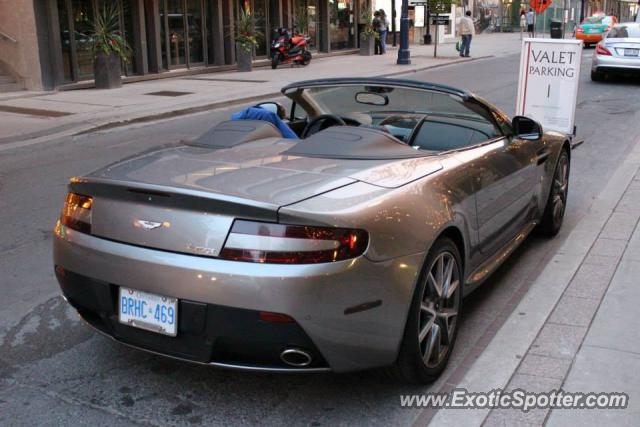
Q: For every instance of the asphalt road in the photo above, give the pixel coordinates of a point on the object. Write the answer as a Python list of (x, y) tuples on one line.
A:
[(54, 370)]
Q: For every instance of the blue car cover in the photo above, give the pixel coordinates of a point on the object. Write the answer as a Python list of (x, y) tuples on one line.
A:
[(257, 113)]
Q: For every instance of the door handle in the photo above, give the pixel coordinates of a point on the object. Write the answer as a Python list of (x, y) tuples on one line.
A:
[(543, 155)]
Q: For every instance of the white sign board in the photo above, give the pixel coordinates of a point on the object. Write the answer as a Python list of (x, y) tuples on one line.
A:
[(418, 21), (548, 83)]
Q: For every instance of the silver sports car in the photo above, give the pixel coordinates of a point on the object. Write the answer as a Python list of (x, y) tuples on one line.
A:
[(340, 235), (618, 52)]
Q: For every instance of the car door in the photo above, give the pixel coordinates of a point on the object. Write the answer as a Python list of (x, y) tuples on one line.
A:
[(505, 179)]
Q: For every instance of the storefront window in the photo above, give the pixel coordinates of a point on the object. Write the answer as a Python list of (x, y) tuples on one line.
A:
[(76, 19), (306, 20), (261, 11), (341, 25)]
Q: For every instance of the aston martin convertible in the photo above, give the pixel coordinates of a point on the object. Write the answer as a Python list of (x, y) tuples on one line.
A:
[(339, 234)]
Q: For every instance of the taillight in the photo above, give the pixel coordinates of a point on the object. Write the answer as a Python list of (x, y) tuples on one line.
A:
[(271, 243), (579, 30), (76, 213), (601, 50)]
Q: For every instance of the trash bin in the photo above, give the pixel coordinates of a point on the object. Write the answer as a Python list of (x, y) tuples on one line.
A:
[(556, 29), (427, 38)]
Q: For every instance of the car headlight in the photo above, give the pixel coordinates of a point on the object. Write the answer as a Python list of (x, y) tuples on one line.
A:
[(277, 45), (76, 213), (270, 243)]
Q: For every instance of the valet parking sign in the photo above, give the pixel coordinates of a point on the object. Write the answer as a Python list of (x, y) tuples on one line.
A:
[(548, 83)]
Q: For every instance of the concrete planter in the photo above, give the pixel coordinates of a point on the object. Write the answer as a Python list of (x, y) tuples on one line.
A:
[(367, 45), (107, 71), (244, 58)]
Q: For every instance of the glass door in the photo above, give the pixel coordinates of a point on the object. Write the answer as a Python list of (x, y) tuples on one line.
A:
[(183, 32), (195, 42), (174, 21), (83, 16)]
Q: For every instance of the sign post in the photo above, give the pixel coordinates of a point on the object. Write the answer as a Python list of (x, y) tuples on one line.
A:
[(437, 21), (548, 82)]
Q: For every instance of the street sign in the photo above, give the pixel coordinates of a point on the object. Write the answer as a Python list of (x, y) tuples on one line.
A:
[(439, 20), (548, 82), (540, 5)]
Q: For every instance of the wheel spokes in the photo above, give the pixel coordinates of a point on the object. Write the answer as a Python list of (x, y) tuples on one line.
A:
[(437, 286), (447, 316), (433, 345)]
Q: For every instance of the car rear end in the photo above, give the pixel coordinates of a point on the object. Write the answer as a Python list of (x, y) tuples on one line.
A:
[(215, 279), (619, 52), (594, 29)]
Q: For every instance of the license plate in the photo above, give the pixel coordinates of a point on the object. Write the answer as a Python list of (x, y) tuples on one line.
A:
[(631, 52), (148, 311)]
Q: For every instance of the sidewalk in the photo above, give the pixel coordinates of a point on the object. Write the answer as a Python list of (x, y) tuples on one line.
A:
[(577, 328), (36, 116)]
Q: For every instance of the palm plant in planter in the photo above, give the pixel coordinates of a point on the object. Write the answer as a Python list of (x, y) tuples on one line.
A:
[(368, 35), (110, 48), (246, 39)]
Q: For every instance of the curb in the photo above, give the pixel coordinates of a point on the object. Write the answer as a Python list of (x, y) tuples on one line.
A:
[(221, 104), (79, 130), (501, 358)]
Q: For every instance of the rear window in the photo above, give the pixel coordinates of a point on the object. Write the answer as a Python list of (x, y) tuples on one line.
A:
[(624, 31), (594, 20)]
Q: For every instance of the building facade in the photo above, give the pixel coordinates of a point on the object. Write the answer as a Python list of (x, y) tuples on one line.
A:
[(164, 35)]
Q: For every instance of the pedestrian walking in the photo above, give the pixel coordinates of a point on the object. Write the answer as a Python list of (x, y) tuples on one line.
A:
[(467, 30), (384, 29), (523, 22), (376, 23), (531, 21)]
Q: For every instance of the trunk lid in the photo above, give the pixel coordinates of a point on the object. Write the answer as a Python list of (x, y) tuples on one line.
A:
[(184, 199)]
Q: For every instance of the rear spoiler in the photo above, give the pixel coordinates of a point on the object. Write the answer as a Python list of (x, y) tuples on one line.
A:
[(174, 197)]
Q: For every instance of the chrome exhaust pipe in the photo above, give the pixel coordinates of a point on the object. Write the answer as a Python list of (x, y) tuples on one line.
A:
[(296, 357)]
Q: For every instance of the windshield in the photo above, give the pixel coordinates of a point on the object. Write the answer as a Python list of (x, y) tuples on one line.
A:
[(384, 99), (624, 31)]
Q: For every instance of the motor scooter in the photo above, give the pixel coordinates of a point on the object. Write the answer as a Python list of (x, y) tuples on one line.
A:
[(286, 48)]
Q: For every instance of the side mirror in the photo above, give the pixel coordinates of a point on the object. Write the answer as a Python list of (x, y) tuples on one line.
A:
[(274, 107), (526, 128)]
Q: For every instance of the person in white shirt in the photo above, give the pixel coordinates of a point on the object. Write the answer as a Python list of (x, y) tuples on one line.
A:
[(531, 20), (466, 30)]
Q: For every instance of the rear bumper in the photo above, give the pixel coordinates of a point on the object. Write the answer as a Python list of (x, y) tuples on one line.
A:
[(589, 38), (220, 301), (615, 63)]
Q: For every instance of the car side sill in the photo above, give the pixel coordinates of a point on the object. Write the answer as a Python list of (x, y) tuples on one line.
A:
[(489, 266)]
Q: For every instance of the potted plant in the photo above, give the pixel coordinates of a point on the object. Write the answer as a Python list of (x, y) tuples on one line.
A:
[(109, 47), (368, 36), (246, 40)]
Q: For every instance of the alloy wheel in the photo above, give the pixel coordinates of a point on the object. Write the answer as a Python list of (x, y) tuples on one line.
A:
[(560, 188), (439, 307)]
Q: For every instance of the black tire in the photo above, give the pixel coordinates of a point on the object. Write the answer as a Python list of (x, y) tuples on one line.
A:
[(410, 366), (306, 58), (275, 60), (557, 201), (597, 76)]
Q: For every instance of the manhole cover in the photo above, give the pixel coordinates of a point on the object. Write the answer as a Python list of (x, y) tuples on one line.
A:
[(33, 111), (168, 93)]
